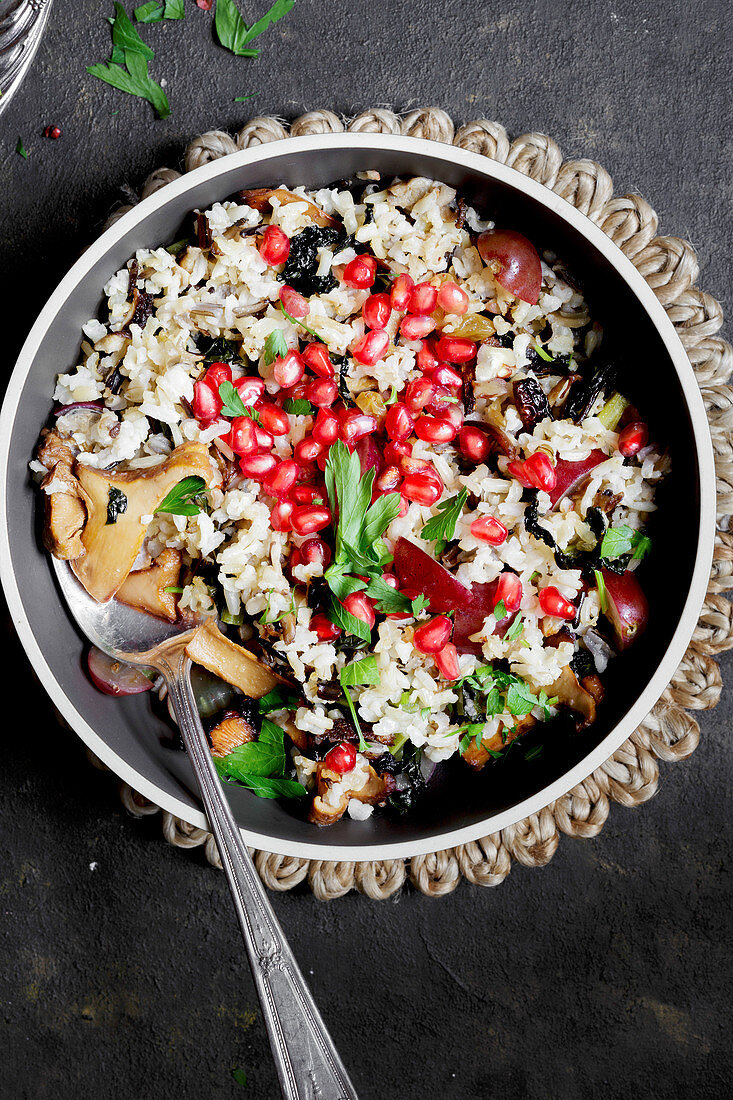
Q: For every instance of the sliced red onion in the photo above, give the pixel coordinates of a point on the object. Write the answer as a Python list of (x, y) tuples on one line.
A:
[(599, 649), (64, 409)]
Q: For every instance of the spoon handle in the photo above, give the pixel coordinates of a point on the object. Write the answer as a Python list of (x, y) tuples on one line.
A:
[(307, 1062)]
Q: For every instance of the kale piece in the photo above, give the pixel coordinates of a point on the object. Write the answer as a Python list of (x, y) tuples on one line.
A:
[(300, 271)]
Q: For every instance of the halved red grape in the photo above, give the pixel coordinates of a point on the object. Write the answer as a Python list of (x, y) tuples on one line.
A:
[(514, 261), (419, 573), (114, 677)]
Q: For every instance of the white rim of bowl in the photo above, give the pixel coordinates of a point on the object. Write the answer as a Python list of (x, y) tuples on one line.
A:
[(481, 165)]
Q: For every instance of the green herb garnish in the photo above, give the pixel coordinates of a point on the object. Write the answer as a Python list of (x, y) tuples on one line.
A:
[(298, 406), (260, 765), (280, 698), (602, 593), (178, 246), (544, 354), (301, 324), (233, 32), (21, 149), (239, 1076), (514, 630), (129, 50), (364, 671), (276, 347), (621, 540), (244, 98), (185, 498), (500, 611), (443, 526), (233, 405), (173, 588)]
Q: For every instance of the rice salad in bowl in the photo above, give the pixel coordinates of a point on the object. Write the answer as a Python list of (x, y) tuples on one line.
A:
[(368, 448)]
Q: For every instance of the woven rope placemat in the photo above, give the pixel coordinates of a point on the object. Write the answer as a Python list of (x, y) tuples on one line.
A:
[(670, 732)]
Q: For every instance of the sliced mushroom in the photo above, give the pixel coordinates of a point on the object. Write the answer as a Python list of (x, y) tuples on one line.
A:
[(53, 449), (300, 738), (571, 694), (146, 589), (65, 514), (231, 662), (111, 547), (323, 813), (477, 758), (231, 732), (259, 199)]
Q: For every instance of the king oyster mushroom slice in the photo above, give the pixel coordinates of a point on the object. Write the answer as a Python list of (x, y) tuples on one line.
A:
[(231, 662), (111, 545), (149, 589)]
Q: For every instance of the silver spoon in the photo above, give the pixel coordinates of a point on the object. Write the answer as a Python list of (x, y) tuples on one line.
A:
[(307, 1062)]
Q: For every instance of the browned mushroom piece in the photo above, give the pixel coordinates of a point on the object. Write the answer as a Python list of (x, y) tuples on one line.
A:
[(570, 693), (116, 503), (477, 758), (259, 199), (232, 731), (374, 791), (149, 590), (300, 738), (65, 514), (231, 662)]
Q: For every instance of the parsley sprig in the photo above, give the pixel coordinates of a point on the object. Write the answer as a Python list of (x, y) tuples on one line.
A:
[(185, 499), (621, 540), (233, 405), (260, 765), (363, 671), (441, 528), (495, 692), (233, 32), (127, 68)]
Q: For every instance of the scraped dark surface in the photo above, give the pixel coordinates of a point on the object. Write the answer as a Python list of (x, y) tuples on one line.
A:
[(602, 974)]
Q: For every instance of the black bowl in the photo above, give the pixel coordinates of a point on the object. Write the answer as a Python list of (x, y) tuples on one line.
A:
[(656, 374)]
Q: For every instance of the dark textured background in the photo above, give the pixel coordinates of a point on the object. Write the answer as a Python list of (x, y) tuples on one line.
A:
[(121, 971)]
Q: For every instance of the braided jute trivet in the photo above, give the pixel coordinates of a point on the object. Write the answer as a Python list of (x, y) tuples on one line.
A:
[(670, 732)]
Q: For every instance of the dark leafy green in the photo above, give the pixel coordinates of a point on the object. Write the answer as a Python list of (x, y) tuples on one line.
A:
[(116, 504)]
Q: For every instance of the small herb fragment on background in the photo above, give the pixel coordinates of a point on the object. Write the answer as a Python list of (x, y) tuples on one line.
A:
[(500, 611), (544, 354), (244, 98), (621, 540), (514, 630), (443, 526), (233, 32), (173, 588), (183, 499), (116, 504), (280, 698), (364, 671), (301, 324), (298, 406), (177, 246), (233, 405), (20, 148), (601, 585), (239, 1076)]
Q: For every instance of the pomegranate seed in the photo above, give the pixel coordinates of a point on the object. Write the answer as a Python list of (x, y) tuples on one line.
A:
[(257, 466), (516, 469), (454, 415), (452, 299), (400, 292), (433, 635), (540, 472), (294, 559), (306, 494), (322, 459), (426, 359), (326, 428), (415, 328), (307, 450), (308, 518), (326, 631), (295, 304), (443, 375), (280, 479), (341, 758), (322, 392), (633, 438), (250, 389), (410, 465), (206, 401), (490, 530), (554, 603), (265, 440), (422, 489), (474, 443), (316, 357), (391, 580), (243, 436), (275, 247), (371, 347), (289, 370), (299, 390), (455, 349), (447, 662), (358, 605), (356, 425), (52, 132), (376, 311), (218, 373), (431, 429), (395, 451), (423, 298), (274, 419), (419, 393), (404, 505), (315, 550), (360, 272), (281, 514), (509, 591), (398, 423), (388, 480), (441, 400)]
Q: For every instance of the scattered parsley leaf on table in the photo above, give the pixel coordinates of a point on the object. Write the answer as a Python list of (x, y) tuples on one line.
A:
[(174, 9), (125, 38), (233, 32), (128, 49), (21, 149), (182, 499), (239, 1076), (152, 12), (244, 98)]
